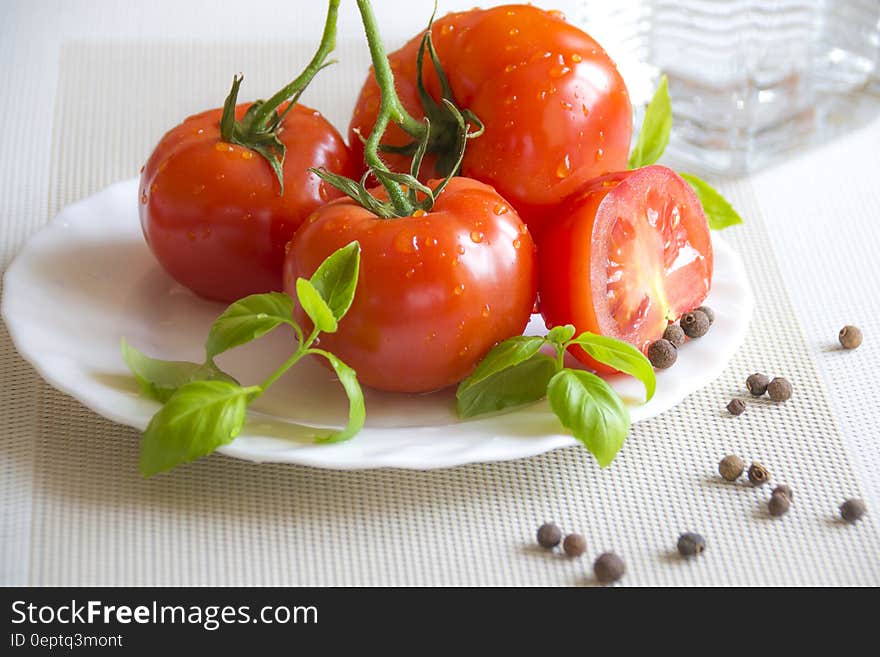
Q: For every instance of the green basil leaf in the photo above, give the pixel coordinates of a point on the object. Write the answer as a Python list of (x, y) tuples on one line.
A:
[(503, 355), (248, 319), (560, 334), (357, 412), (197, 419), (315, 306), (590, 408), (719, 212), (512, 386), (621, 356), (656, 126), (337, 277), (159, 379)]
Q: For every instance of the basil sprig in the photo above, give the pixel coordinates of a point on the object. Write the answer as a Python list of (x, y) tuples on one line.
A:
[(517, 372), (205, 408), (650, 145)]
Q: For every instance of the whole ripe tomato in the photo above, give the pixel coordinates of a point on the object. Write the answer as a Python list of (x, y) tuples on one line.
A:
[(630, 253), (211, 210), (436, 291), (555, 109)]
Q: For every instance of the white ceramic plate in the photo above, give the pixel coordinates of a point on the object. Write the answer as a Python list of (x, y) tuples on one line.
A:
[(88, 279)]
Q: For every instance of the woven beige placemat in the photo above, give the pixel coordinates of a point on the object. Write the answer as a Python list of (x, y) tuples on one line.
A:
[(71, 477)]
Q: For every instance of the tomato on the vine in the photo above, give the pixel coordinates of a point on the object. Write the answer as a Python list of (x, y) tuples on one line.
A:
[(211, 211), (555, 110), (627, 255), (437, 290)]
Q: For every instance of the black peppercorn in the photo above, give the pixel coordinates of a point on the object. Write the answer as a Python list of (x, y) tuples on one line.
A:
[(779, 389), (757, 384), (758, 474), (574, 545), (850, 337), (695, 324), (549, 535), (778, 504), (709, 313), (674, 334), (731, 467), (736, 407), (662, 354), (853, 509), (690, 544), (784, 489), (608, 568)]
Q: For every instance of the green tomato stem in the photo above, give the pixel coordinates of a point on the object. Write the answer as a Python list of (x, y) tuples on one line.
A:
[(390, 108), (296, 87)]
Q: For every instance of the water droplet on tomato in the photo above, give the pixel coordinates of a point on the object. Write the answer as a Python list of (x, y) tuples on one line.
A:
[(247, 154), (222, 146), (517, 243), (153, 188), (198, 189), (564, 167), (513, 31), (600, 153), (464, 351), (419, 213), (410, 273), (566, 105), (486, 310), (447, 29), (576, 58), (405, 242), (557, 14), (510, 68), (460, 249), (323, 191), (558, 71), (510, 100), (476, 236), (501, 208), (144, 197), (458, 290)]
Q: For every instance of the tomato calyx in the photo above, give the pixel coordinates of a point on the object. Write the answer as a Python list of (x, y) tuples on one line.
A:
[(259, 127), (406, 195), (443, 116)]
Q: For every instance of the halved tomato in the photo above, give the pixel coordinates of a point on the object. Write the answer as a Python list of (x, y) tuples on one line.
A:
[(627, 255)]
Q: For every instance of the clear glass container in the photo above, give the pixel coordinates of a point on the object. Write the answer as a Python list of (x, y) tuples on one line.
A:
[(750, 80)]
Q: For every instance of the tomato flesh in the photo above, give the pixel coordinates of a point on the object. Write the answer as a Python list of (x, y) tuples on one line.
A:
[(627, 255)]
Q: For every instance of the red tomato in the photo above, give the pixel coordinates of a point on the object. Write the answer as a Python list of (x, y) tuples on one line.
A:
[(436, 292), (626, 256), (211, 211), (555, 109)]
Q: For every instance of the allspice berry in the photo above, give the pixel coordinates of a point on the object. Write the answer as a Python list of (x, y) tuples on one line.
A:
[(608, 568), (779, 389), (731, 467), (709, 313), (853, 509), (549, 535), (695, 324), (662, 354), (758, 474), (850, 337), (674, 334), (690, 544), (779, 504), (736, 407), (574, 545), (784, 489), (757, 384)]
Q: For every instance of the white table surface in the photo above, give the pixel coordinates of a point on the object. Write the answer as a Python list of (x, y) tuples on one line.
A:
[(822, 207)]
